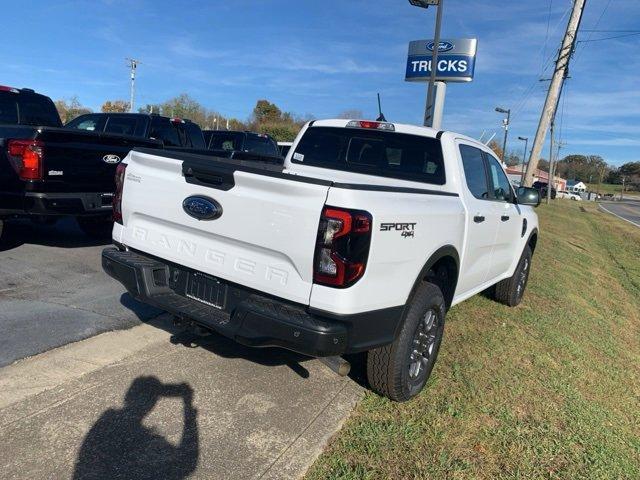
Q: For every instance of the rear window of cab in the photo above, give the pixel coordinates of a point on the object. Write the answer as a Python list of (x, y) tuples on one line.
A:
[(372, 152)]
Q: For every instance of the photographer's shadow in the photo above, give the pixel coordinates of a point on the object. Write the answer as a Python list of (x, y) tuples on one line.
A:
[(119, 446)]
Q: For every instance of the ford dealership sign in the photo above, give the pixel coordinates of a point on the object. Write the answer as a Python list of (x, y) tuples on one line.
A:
[(456, 60)]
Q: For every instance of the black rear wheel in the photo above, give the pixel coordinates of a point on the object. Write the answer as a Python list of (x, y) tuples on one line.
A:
[(400, 370), (511, 290)]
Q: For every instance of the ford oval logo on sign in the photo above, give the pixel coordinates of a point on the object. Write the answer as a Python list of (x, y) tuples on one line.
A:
[(111, 159), (202, 208), (443, 47)]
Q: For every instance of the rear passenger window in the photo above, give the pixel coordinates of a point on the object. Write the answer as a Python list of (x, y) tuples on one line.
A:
[(260, 145), (194, 138), (474, 171), (121, 125), (165, 131)]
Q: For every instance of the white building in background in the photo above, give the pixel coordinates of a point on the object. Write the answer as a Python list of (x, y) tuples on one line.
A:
[(576, 186)]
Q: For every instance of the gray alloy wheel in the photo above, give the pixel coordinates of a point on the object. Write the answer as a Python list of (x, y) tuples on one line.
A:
[(401, 369)]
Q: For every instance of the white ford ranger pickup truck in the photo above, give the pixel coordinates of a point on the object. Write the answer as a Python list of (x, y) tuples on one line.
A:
[(360, 242)]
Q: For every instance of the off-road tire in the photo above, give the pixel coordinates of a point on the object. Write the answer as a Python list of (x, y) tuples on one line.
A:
[(511, 290), (96, 227), (388, 367)]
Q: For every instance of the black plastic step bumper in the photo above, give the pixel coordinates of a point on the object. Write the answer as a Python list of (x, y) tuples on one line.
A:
[(55, 203), (247, 317)]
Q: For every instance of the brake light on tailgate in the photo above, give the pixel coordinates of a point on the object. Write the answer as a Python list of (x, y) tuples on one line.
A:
[(26, 158), (342, 247), (117, 196)]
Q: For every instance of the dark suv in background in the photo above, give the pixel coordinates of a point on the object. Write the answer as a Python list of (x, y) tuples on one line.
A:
[(542, 188)]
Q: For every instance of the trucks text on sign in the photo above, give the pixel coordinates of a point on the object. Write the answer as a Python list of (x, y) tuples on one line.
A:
[(456, 60)]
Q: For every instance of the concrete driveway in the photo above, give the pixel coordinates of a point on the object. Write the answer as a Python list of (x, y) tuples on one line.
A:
[(142, 400)]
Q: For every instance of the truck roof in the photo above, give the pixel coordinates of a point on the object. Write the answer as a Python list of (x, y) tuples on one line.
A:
[(142, 114)]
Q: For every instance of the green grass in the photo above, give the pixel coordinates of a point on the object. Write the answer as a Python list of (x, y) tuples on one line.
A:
[(608, 188), (550, 389)]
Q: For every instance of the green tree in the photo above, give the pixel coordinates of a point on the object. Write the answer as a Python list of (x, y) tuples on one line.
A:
[(115, 106), (265, 111), (70, 109), (497, 149), (183, 106), (281, 132), (151, 108)]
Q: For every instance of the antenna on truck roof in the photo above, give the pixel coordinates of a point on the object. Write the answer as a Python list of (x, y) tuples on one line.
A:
[(381, 115)]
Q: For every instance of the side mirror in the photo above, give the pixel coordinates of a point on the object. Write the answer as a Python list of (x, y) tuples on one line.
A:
[(528, 196)]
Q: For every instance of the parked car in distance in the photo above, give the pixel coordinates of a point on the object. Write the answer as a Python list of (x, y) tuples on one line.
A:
[(47, 171), (360, 242), (249, 142), (172, 132), (568, 195), (284, 148), (542, 188)]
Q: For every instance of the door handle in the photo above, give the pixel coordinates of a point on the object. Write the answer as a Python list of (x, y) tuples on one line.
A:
[(478, 218), (504, 218)]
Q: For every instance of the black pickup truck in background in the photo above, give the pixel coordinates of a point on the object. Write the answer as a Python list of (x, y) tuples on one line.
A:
[(48, 171), (183, 135), (172, 132), (258, 144)]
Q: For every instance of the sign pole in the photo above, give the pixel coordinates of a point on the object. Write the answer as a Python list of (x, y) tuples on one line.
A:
[(429, 108), (438, 105)]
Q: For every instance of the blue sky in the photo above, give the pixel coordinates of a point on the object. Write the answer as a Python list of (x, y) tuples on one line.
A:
[(324, 57)]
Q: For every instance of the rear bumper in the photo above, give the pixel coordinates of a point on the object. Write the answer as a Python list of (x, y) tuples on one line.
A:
[(76, 203), (249, 317)]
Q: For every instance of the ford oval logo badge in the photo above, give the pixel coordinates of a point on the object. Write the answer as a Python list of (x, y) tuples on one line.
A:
[(442, 47), (111, 159), (202, 208)]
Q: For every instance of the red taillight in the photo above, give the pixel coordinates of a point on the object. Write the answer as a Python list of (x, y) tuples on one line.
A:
[(26, 157), (117, 196), (370, 124), (342, 247)]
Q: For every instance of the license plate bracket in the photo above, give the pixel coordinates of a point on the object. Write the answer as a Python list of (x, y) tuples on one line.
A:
[(207, 290)]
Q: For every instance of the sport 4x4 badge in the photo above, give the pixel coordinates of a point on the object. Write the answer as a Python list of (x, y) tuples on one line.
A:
[(407, 229)]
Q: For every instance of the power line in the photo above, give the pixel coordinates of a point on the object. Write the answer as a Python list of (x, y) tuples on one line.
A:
[(595, 27), (609, 38), (546, 37), (612, 31)]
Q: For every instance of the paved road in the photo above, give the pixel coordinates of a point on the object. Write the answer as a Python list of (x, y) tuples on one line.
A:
[(629, 210), (53, 290)]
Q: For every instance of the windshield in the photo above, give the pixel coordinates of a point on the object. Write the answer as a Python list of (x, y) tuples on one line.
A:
[(224, 140), (372, 152), (28, 109)]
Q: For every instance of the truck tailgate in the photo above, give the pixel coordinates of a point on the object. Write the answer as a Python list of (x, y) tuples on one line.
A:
[(264, 239), (74, 160)]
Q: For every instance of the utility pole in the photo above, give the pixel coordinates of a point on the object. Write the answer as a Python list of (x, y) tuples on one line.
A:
[(431, 94), (524, 157), (622, 192), (559, 75), (550, 181), (132, 64)]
